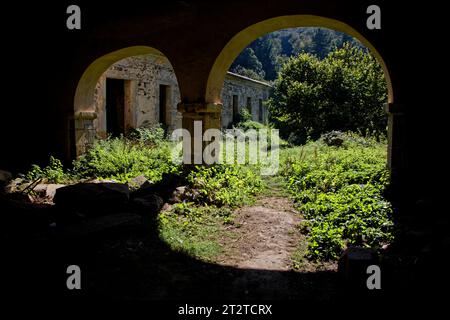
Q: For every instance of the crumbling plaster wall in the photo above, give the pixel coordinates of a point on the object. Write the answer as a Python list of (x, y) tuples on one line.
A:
[(144, 75), (243, 88)]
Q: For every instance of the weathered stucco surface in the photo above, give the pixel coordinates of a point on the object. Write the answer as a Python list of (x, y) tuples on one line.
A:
[(248, 93), (143, 77)]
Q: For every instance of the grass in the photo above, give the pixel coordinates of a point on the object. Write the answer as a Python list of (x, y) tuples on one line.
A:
[(195, 230), (275, 186), (337, 189)]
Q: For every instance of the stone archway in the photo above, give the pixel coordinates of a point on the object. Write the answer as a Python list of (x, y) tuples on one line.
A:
[(85, 112), (245, 37), (241, 40)]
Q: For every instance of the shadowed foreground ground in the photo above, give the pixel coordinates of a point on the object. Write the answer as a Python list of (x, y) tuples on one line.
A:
[(132, 263)]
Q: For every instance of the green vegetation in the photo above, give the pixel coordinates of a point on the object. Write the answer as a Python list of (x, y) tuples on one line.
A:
[(195, 230), (339, 191), (144, 152), (345, 91), (337, 183), (53, 172), (264, 57), (337, 180), (224, 185), (244, 115), (122, 159), (194, 226), (149, 135)]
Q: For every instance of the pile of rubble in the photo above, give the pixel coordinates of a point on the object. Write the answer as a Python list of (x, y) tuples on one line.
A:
[(86, 207)]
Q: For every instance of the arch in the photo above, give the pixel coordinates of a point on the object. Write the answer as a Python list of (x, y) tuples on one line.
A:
[(85, 111), (241, 40), (84, 94)]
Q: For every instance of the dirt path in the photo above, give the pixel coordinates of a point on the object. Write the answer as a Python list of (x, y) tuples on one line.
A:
[(264, 236), (261, 244)]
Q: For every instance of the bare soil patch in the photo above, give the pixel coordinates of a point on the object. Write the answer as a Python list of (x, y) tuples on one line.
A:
[(265, 236)]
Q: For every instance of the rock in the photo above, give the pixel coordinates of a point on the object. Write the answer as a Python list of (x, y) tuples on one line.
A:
[(93, 199), (47, 190), (147, 205), (353, 265), (166, 207), (102, 181), (99, 224), (139, 182), (163, 188), (15, 185), (20, 198), (333, 138), (192, 194), (5, 176), (178, 195)]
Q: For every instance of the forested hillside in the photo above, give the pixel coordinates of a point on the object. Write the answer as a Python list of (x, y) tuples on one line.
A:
[(264, 57)]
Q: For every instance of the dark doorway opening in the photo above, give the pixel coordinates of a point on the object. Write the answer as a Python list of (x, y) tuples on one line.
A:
[(115, 106), (164, 96), (261, 111), (235, 108), (249, 104)]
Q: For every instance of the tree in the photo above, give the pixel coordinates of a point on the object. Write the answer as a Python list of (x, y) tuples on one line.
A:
[(249, 73), (345, 91), (247, 60), (267, 54)]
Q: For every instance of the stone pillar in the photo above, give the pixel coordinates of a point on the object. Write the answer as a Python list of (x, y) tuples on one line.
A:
[(85, 132), (209, 116), (397, 133)]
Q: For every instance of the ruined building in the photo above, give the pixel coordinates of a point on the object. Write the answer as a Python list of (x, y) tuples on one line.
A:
[(143, 91)]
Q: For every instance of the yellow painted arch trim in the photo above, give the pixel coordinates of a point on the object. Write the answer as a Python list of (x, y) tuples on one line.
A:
[(241, 40)]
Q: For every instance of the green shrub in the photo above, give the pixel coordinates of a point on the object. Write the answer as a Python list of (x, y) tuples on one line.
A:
[(339, 190), (325, 242), (359, 212), (222, 184), (150, 135), (250, 124), (53, 173), (331, 168), (344, 91), (244, 115), (120, 159)]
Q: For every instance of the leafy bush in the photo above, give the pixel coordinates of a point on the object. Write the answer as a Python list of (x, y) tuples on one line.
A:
[(150, 135), (345, 91), (220, 185), (325, 242), (250, 124), (120, 159), (356, 213), (53, 173), (244, 115), (340, 192)]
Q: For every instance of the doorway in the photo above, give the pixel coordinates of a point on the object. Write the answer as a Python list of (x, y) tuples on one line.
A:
[(164, 104), (115, 106)]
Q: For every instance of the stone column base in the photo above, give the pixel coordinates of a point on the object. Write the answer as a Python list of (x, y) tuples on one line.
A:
[(208, 114)]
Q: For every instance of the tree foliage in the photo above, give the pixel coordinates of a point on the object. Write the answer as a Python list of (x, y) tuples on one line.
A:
[(345, 91), (264, 57)]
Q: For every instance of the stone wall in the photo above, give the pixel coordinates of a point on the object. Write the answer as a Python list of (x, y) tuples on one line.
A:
[(248, 93), (143, 76)]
